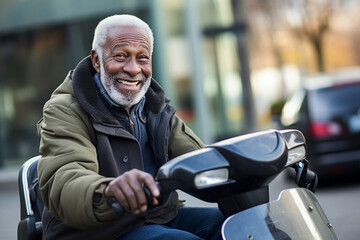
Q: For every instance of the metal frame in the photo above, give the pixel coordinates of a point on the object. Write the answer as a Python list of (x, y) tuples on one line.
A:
[(25, 184)]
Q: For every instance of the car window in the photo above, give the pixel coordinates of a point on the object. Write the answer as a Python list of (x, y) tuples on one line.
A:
[(334, 102)]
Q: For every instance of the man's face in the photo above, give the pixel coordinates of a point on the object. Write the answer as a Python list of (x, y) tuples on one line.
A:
[(125, 65)]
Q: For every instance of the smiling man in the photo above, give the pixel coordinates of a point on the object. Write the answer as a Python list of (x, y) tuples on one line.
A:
[(104, 133), (125, 65)]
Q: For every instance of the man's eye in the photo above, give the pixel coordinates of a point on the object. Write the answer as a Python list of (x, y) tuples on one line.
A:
[(143, 57), (120, 55)]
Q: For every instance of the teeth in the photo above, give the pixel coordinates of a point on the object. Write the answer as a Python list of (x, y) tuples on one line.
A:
[(128, 83)]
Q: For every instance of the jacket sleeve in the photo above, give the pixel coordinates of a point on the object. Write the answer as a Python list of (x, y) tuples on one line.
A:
[(182, 139), (68, 169)]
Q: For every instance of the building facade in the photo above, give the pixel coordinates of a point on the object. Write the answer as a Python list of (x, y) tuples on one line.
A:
[(197, 59)]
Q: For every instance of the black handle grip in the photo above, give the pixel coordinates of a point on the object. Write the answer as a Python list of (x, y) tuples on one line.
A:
[(305, 177), (149, 198), (118, 209)]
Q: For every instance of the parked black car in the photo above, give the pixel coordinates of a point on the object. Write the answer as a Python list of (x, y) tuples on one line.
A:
[(327, 111)]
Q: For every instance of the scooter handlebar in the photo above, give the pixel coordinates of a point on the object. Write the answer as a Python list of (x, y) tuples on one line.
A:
[(118, 209), (305, 177)]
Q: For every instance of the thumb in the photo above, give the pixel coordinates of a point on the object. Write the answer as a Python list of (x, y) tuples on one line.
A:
[(155, 202)]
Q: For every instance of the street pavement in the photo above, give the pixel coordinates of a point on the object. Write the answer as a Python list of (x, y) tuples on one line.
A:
[(9, 203), (340, 204)]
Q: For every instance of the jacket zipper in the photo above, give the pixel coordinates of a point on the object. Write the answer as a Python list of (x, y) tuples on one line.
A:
[(131, 124)]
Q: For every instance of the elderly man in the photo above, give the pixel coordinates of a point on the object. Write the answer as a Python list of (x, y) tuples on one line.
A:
[(104, 133)]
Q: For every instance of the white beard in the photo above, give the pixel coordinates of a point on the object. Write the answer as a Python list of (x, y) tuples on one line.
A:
[(124, 100)]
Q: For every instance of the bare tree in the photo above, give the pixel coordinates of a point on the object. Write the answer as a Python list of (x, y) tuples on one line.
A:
[(311, 20), (307, 19)]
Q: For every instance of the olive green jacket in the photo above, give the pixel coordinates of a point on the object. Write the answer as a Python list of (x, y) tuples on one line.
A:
[(83, 147)]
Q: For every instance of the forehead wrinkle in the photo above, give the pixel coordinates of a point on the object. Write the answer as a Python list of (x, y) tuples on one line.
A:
[(121, 45), (128, 38), (129, 35)]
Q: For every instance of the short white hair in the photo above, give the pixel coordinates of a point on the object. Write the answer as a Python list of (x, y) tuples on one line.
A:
[(101, 30)]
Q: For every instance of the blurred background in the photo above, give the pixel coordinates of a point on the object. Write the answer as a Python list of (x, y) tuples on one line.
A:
[(227, 65)]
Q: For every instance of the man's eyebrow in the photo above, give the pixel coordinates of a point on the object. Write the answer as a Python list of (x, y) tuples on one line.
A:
[(120, 45), (145, 46)]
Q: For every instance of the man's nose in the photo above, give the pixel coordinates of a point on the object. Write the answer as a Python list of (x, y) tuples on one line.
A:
[(132, 67)]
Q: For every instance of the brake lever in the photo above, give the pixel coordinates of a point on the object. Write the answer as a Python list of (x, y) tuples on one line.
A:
[(305, 177)]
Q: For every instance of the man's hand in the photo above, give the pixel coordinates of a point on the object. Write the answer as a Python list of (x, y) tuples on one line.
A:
[(128, 190)]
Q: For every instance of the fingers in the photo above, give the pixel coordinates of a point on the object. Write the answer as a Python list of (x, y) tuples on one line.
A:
[(155, 202), (128, 190), (151, 185)]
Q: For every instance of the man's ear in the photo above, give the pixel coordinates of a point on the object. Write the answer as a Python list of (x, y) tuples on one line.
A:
[(95, 60)]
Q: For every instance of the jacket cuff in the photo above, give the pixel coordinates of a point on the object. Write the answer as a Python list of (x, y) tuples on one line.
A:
[(102, 208)]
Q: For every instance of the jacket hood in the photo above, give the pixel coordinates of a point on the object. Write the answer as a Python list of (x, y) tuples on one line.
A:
[(90, 99)]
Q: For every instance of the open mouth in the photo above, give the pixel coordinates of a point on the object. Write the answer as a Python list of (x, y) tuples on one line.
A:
[(131, 83)]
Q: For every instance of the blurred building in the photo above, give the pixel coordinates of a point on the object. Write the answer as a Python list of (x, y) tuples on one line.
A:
[(200, 47)]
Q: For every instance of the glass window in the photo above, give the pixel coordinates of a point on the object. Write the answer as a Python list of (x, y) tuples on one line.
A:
[(220, 66), (31, 65), (215, 13), (222, 84)]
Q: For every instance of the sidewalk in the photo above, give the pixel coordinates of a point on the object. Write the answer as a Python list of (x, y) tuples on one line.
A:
[(10, 202)]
